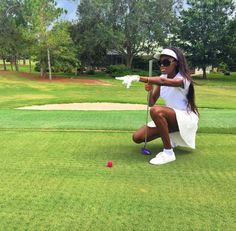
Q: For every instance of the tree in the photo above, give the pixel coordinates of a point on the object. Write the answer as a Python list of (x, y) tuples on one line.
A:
[(11, 36), (229, 41), (63, 50), (202, 28), (142, 26), (42, 15), (92, 35), (127, 26), (29, 27)]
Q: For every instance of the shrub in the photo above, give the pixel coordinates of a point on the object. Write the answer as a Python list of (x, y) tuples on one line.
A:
[(90, 72), (140, 63), (37, 67), (223, 67), (121, 70), (145, 72), (118, 70)]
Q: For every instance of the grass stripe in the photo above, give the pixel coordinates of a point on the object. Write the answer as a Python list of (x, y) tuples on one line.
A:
[(205, 130), (62, 130), (211, 120)]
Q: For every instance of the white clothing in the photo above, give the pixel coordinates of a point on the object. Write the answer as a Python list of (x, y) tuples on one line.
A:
[(168, 52), (176, 98)]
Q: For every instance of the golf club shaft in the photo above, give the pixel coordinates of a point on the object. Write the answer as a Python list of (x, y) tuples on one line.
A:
[(147, 113), (148, 98)]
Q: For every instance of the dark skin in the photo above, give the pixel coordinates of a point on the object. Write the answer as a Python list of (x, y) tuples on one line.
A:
[(164, 117)]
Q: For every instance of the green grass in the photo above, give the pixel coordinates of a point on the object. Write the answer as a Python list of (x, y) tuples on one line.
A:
[(211, 120), (19, 91), (58, 181), (53, 173)]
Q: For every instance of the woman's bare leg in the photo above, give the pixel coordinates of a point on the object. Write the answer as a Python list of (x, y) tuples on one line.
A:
[(139, 135), (165, 120)]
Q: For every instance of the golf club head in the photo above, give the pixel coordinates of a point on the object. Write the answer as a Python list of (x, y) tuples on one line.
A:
[(145, 151)]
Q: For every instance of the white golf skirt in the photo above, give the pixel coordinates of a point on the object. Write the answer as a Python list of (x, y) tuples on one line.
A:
[(188, 125)]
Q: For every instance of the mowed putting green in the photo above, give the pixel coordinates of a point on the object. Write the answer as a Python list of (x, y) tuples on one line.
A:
[(53, 163)]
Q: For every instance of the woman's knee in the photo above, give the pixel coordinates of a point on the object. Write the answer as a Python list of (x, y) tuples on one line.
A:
[(157, 112), (137, 138)]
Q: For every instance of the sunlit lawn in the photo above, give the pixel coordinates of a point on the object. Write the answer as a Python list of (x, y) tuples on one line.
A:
[(53, 173)]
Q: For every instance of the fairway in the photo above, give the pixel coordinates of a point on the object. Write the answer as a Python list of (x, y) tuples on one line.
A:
[(53, 163), (58, 181)]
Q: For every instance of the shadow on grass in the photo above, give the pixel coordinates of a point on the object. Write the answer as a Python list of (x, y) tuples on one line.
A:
[(183, 151), (134, 152)]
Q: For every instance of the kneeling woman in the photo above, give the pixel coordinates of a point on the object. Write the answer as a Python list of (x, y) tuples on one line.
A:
[(175, 123)]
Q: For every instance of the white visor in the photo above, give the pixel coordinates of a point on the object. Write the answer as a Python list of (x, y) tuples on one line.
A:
[(166, 52)]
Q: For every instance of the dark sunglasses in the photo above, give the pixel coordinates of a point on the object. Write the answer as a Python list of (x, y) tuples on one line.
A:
[(165, 62)]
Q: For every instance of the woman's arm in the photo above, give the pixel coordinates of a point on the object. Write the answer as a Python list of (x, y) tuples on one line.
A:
[(154, 92), (162, 81)]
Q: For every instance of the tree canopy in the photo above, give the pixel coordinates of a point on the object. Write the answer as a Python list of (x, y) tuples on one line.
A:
[(202, 28), (128, 27), (32, 28)]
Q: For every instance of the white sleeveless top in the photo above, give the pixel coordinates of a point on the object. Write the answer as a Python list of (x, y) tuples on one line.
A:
[(176, 97)]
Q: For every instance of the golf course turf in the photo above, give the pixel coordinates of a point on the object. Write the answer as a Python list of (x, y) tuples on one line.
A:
[(53, 163)]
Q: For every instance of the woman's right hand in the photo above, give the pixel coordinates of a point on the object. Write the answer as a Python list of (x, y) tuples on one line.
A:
[(148, 87)]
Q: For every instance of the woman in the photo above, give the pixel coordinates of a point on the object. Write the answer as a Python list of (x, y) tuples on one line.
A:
[(175, 123)]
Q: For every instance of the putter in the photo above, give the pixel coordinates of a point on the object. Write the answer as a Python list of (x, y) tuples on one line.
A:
[(144, 149)]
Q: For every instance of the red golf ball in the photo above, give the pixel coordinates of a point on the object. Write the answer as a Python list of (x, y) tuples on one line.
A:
[(109, 164)]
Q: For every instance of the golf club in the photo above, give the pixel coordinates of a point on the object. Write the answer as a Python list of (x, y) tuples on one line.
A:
[(144, 149)]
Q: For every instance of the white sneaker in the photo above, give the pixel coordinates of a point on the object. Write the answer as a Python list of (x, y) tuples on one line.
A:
[(163, 158)]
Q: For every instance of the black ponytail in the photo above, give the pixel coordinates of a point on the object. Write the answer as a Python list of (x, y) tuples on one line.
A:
[(183, 69), (191, 99)]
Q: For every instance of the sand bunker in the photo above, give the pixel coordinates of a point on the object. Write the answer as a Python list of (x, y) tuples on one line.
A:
[(87, 107)]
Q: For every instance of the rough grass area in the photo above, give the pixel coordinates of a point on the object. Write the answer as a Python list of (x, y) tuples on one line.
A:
[(58, 181), (16, 90)]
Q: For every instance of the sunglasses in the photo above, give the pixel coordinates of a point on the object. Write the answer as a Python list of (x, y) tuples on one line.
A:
[(165, 62)]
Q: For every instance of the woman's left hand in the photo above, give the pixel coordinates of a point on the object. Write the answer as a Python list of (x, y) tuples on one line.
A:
[(148, 87)]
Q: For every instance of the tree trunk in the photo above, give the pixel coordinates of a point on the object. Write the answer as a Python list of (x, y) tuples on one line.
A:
[(49, 65), (41, 71), (129, 60), (204, 76), (16, 63), (4, 65), (30, 66), (12, 63)]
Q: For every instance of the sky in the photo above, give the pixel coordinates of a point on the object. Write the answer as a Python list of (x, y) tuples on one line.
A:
[(70, 6)]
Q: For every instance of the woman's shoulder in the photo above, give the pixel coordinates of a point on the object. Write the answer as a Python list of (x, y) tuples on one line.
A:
[(179, 76), (186, 82)]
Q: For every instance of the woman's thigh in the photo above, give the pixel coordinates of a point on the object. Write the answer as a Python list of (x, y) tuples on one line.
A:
[(153, 132), (141, 133), (168, 113)]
